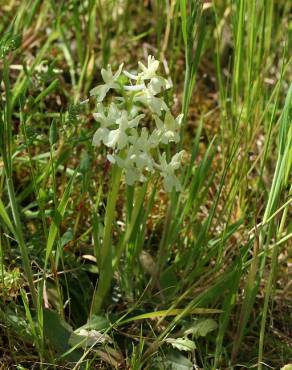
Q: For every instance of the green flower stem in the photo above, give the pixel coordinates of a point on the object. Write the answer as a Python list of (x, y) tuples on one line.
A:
[(105, 256), (138, 203), (162, 250)]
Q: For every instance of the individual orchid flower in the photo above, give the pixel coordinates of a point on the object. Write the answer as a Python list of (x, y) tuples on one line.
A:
[(141, 141), (119, 138), (143, 161), (137, 159), (170, 180), (148, 99), (110, 80), (132, 173), (149, 71), (158, 84), (101, 135), (154, 139), (169, 129), (106, 120), (140, 149)]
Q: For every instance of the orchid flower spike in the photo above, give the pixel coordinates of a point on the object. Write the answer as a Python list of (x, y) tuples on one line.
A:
[(136, 145)]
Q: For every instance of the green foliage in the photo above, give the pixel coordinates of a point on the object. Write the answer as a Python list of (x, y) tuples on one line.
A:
[(9, 42)]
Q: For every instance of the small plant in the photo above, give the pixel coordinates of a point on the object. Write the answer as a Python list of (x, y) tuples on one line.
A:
[(127, 106)]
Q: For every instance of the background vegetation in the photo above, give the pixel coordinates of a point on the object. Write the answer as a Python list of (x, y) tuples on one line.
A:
[(200, 278)]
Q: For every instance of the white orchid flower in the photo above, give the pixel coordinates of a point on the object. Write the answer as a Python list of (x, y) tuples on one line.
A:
[(169, 129), (154, 139), (132, 173), (117, 138), (110, 80), (105, 120), (148, 99), (138, 158), (140, 150), (113, 114), (149, 71), (134, 122), (144, 161), (142, 141), (101, 135), (158, 84), (170, 180)]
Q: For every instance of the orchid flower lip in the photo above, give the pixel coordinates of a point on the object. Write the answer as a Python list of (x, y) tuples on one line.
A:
[(134, 87), (130, 75)]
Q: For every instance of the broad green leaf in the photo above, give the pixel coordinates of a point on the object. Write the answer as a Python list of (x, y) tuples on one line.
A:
[(67, 237), (82, 338), (58, 332), (168, 281), (202, 327), (96, 322), (182, 344), (173, 360)]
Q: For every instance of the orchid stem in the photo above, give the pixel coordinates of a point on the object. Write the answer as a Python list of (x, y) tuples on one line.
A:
[(105, 262)]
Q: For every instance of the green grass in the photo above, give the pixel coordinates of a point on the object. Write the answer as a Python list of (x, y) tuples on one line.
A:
[(99, 274)]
